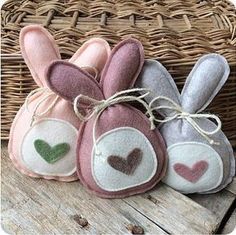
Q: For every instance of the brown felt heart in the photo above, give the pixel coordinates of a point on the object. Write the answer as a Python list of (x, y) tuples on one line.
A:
[(191, 174), (128, 165)]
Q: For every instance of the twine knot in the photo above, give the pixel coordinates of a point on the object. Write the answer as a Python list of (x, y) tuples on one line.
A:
[(48, 93), (97, 107), (183, 114), (189, 117)]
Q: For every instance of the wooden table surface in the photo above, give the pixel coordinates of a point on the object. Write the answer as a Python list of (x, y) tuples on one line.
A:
[(36, 206)]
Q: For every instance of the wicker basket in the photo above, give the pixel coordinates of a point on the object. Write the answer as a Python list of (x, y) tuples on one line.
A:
[(176, 32)]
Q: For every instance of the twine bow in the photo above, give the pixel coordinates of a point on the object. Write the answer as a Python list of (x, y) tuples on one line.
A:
[(189, 117), (98, 106), (48, 93)]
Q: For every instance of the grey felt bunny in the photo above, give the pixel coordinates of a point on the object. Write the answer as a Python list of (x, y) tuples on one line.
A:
[(200, 156)]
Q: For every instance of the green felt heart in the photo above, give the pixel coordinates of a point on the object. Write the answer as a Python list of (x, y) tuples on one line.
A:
[(51, 154)]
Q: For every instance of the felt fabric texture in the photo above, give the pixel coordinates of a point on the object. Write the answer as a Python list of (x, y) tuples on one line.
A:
[(63, 110), (94, 53), (51, 154), (109, 120), (52, 132), (77, 81), (199, 93), (39, 50), (120, 72), (126, 165), (187, 133), (192, 174), (155, 77), (121, 144), (207, 76), (193, 167), (122, 68)]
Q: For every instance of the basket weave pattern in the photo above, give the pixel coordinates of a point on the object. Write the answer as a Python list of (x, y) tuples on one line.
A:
[(176, 32)]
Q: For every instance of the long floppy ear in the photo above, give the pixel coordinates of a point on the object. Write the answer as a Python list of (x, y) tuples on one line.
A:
[(156, 78), (204, 82), (92, 55), (68, 81), (38, 49), (123, 67)]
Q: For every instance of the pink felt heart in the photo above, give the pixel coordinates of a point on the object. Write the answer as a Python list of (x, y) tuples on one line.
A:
[(191, 174)]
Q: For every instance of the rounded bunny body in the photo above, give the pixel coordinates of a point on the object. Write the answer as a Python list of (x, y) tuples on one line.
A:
[(110, 174), (201, 158), (194, 164), (44, 132), (118, 154), (23, 137)]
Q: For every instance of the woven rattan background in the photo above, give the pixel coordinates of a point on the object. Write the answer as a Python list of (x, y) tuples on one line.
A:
[(176, 32)]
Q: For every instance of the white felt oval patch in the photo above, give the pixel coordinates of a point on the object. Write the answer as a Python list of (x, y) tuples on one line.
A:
[(126, 159), (193, 167), (49, 148)]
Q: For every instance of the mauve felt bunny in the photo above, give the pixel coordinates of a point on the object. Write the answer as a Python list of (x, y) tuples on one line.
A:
[(117, 153), (200, 156), (46, 146)]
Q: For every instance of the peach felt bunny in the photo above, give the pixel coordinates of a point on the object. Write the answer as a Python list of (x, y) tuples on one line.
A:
[(44, 132), (119, 151)]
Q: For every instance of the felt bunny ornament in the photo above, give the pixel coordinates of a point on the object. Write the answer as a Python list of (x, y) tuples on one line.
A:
[(44, 132), (117, 152), (201, 158)]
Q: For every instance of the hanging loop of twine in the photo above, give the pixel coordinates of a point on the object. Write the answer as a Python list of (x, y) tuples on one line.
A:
[(98, 106), (48, 93), (189, 117)]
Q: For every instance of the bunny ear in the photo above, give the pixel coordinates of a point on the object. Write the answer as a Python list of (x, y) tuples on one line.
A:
[(123, 67), (38, 49), (155, 77), (204, 82), (92, 55), (68, 81)]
